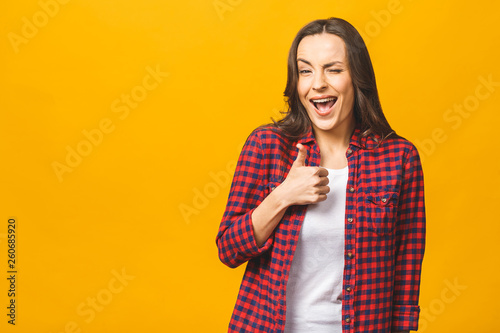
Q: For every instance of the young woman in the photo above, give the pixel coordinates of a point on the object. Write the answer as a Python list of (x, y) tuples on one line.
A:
[(327, 204)]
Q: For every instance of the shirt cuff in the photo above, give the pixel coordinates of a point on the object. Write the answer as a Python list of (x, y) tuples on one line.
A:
[(253, 247), (405, 317)]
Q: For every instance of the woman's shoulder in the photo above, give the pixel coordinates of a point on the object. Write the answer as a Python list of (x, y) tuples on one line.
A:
[(398, 143), (269, 135)]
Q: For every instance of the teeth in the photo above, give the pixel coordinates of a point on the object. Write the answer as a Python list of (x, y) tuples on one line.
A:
[(324, 100)]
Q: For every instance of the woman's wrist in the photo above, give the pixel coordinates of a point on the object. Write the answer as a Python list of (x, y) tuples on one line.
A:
[(281, 196)]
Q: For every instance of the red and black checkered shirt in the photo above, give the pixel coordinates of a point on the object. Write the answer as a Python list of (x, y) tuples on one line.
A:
[(384, 233)]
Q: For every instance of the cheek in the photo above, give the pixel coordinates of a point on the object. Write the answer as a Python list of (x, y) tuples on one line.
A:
[(347, 91), (344, 86), (302, 88)]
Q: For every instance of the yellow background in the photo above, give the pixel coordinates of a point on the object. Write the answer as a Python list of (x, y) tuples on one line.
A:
[(120, 208)]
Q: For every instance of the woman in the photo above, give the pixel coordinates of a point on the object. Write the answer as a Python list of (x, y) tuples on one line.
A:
[(327, 204)]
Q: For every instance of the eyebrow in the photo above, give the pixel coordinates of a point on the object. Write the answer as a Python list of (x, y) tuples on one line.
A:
[(324, 66)]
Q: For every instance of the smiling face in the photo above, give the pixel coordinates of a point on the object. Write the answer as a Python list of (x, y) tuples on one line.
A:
[(324, 85)]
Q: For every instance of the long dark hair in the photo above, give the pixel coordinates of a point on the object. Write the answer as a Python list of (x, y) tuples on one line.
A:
[(367, 109)]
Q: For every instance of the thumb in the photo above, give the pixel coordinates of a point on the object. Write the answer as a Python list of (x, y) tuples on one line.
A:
[(301, 156)]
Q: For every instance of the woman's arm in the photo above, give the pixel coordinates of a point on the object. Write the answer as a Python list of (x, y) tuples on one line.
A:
[(410, 245), (235, 240), (249, 220)]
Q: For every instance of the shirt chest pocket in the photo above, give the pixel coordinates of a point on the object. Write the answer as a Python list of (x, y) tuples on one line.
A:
[(381, 211)]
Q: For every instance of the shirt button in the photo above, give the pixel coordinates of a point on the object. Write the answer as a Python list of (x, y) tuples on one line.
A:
[(348, 288), (348, 320), (384, 199), (351, 189), (350, 219), (350, 255), (273, 187), (349, 151)]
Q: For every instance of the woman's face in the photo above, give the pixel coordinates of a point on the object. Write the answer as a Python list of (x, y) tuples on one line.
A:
[(324, 86)]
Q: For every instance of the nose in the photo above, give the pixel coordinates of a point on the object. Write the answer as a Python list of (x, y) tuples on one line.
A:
[(319, 81)]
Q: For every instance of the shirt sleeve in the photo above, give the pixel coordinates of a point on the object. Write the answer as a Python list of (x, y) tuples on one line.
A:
[(235, 239), (410, 244)]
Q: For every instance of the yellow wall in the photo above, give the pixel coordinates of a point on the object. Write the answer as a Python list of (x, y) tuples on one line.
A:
[(117, 116)]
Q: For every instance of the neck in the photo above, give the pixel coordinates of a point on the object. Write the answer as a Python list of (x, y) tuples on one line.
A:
[(336, 139)]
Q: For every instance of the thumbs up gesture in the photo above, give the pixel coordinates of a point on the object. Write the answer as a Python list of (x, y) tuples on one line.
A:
[(305, 185)]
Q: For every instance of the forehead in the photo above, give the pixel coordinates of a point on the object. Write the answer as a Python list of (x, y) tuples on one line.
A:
[(322, 47)]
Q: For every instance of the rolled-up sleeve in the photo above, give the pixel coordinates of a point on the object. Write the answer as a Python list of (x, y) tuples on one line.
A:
[(235, 239), (410, 245)]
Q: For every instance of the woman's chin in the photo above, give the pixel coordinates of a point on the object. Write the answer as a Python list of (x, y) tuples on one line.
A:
[(325, 126)]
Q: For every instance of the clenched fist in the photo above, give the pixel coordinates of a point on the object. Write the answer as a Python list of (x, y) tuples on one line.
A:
[(305, 184)]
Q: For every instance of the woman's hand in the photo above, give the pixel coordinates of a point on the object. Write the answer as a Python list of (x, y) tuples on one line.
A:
[(304, 185)]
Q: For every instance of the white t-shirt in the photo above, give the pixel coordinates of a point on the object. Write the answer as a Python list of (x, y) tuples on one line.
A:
[(314, 288)]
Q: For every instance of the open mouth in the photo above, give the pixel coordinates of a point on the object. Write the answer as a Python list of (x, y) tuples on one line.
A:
[(323, 105)]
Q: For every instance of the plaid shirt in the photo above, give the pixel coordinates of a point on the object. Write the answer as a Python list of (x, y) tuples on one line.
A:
[(384, 233)]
